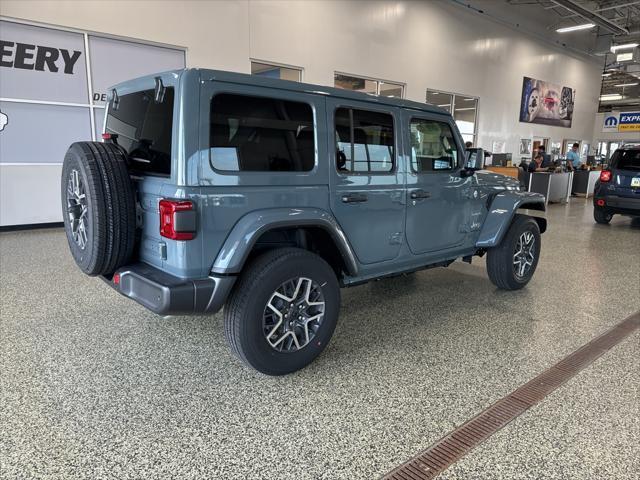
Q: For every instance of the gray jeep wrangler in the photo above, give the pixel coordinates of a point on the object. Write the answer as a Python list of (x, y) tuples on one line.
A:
[(266, 196)]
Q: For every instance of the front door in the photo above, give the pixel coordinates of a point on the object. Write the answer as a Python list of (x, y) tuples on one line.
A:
[(367, 184), (438, 198)]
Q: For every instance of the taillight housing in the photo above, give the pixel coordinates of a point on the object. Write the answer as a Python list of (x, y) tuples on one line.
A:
[(177, 219), (605, 176)]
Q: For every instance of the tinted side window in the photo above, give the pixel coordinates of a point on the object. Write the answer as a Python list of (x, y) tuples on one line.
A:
[(364, 141), (433, 146), (257, 134), (144, 129)]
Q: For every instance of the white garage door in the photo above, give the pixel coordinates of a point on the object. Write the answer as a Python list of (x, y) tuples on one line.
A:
[(53, 83)]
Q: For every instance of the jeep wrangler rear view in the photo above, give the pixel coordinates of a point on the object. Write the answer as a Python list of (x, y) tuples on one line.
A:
[(266, 196)]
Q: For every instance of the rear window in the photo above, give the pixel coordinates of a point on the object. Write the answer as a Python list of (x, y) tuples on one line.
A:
[(626, 160), (258, 134), (144, 129)]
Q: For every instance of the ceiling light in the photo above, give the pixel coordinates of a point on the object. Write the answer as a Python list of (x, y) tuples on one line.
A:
[(606, 74), (626, 84), (623, 46), (575, 27), (611, 96), (445, 105), (466, 108)]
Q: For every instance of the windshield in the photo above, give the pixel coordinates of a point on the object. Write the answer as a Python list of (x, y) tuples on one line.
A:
[(626, 160), (144, 130)]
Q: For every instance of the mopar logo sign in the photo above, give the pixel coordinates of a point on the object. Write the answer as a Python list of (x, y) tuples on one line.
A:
[(610, 123), (621, 122)]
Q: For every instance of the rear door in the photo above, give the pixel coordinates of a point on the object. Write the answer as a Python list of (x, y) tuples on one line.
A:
[(367, 183)]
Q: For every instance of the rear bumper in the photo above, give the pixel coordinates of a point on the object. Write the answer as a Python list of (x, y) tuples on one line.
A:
[(165, 294), (618, 204)]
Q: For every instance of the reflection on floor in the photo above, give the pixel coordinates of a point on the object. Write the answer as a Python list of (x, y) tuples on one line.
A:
[(94, 385)]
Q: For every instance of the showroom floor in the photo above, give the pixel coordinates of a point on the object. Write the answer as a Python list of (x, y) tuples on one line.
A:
[(92, 385)]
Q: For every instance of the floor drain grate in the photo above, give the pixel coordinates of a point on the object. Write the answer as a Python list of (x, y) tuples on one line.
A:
[(462, 440)]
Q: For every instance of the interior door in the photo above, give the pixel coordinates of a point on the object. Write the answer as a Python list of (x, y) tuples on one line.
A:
[(439, 200), (367, 183)]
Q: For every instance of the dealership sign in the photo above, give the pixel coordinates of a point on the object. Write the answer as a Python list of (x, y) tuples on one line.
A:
[(621, 122)]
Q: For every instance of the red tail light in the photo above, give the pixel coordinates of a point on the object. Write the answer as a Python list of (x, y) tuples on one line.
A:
[(600, 202), (605, 176), (177, 219)]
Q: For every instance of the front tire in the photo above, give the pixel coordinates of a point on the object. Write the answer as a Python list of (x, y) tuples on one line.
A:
[(283, 311), (511, 264), (601, 216)]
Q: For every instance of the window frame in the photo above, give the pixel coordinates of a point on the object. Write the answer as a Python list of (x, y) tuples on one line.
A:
[(394, 159), (459, 161), (278, 96), (277, 65), (378, 81), (452, 106)]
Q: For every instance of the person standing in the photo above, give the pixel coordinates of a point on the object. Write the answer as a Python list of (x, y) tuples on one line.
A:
[(573, 157)]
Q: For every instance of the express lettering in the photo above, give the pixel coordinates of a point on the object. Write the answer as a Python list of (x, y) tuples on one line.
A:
[(37, 57), (630, 118)]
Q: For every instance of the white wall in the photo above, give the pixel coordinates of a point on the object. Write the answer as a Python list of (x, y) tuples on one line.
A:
[(422, 44)]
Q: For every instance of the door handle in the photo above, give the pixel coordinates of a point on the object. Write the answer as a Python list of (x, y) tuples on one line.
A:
[(419, 194), (354, 198)]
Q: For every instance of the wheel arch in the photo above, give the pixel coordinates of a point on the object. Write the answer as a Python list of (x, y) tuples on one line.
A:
[(309, 228), (502, 210)]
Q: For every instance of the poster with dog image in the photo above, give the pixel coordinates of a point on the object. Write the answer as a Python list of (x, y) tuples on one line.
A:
[(546, 103)]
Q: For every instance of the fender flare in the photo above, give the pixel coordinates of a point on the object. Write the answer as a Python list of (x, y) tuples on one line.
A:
[(248, 229), (501, 212)]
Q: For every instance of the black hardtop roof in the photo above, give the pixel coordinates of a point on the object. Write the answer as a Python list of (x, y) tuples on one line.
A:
[(245, 79)]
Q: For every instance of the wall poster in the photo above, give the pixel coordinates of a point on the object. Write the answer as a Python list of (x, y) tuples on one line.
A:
[(546, 103), (525, 146)]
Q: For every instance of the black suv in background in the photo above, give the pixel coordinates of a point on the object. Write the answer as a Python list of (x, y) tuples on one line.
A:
[(618, 189)]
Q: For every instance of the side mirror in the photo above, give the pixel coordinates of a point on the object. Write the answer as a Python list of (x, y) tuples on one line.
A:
[(474, 160)]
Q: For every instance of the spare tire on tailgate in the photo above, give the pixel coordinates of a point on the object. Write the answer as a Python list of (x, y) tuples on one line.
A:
[(98, 206)]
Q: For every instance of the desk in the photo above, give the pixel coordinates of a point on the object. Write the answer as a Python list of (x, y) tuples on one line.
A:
[(556, 187), (508, 171), (584, 182)]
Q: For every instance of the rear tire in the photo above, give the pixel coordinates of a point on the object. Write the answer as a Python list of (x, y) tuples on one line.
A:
[(251, 324), (601, 216), (98, 206), (511, 264)]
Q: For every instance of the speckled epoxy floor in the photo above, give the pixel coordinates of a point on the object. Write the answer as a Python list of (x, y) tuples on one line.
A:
[(94, 386)]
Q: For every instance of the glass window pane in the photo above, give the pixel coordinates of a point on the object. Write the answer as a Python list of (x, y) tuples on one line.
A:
[(390, 90), (261, 134), (371, 147), (114, 61), (464, 113), (356, 84), (275, 71), (433, 146), (144, 129), (439, 99), (469, 138), (98, 114), (40, 71), (38, 133)]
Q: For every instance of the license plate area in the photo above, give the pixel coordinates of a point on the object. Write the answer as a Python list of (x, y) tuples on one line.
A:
[(635, 182)]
